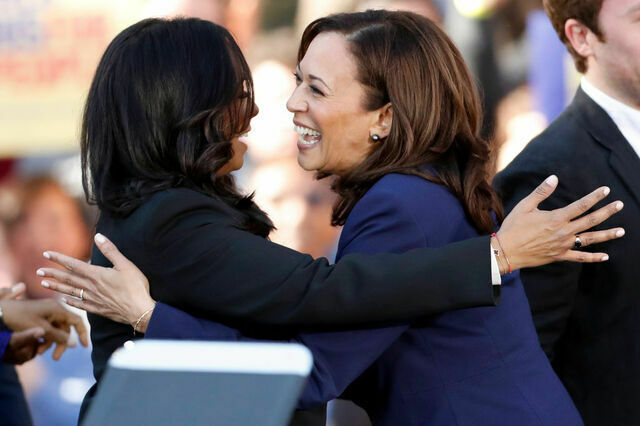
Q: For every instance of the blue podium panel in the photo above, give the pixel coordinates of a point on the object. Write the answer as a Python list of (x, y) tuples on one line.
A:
[(165, 382)]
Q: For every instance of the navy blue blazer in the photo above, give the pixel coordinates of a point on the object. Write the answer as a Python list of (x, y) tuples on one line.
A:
[(470, 366)]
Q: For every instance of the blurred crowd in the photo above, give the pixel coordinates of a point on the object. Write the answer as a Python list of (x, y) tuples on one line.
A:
[(42, 205)]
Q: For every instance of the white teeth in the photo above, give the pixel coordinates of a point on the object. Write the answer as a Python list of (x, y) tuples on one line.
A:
[(306, 131), (304, 142)]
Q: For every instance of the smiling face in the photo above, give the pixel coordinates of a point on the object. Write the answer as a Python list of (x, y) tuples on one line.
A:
[(614, 64), (328, 105)]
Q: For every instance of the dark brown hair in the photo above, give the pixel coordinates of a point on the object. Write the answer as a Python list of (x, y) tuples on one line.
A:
[(167, 97), (584, 11), (407, 60)]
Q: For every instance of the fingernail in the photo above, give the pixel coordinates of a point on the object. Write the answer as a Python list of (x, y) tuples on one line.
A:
[(605, 258), (40, 272), (100, 239), (619, 205), (16, 288), (44, 284), (552, 180), (606, 191), (619, 232), (46, 255)]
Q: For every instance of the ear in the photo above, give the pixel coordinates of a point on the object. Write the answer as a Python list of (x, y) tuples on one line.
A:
[(580, 37), (383, 117)]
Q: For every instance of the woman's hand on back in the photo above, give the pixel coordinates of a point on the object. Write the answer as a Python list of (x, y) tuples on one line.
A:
[(120, 293), (532, 237)]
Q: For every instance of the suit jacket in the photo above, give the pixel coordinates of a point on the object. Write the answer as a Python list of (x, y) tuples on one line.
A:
[(14, 410), (453, 368), (189, 246), (587, 316)]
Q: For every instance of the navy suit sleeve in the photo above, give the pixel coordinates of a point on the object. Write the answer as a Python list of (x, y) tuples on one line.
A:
[(378, 224), (5, 336), (338, 357), (167, 322)]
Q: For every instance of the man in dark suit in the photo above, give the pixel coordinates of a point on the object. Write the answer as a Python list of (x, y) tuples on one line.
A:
[(588, 316)]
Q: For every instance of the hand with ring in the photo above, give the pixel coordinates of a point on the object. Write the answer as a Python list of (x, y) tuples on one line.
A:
[(120, 293), (533, 237)]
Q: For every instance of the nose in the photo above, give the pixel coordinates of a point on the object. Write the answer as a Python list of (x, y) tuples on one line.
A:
[(255, 111), (296, 103)]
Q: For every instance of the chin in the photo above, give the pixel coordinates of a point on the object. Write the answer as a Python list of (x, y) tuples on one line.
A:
[(307, 163)]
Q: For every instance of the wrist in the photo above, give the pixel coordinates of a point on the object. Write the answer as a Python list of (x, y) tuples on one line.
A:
[(141, 322), (512, 251), (498, 251), (139, 306)]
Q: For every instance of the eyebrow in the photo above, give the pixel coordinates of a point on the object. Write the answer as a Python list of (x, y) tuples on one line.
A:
[(314, 77)]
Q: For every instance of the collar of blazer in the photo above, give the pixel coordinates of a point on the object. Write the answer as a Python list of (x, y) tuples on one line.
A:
[(622, 158)]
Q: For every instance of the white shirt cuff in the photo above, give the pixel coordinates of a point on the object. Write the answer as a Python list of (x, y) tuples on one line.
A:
[(496, 279)]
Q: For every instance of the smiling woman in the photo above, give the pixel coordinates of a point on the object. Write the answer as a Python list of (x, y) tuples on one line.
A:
[(160, 130), (380, 107), (330, 113)]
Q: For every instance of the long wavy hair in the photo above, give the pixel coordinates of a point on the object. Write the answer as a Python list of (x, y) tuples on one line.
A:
[(408, 61), (166, 99)]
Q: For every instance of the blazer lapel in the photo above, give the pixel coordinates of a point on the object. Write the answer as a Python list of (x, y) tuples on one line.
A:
[(622, 158)]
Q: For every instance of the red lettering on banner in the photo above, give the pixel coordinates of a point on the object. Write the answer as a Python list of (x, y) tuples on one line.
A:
[(39, 71)]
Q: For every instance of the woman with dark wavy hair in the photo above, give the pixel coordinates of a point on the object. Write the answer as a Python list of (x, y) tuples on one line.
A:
[(385, 103)]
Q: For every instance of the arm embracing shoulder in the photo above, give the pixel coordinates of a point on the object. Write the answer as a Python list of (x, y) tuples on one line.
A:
[(205, 266)]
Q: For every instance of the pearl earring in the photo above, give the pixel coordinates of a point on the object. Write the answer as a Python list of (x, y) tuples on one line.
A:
[(375, 138)]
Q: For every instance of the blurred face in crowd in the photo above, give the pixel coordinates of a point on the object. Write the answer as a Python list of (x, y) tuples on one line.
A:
[(299, 204), (50, 220), (334, 127), (614, 63)]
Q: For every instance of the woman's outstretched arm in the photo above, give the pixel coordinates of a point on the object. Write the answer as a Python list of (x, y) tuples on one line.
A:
[(242, 276)]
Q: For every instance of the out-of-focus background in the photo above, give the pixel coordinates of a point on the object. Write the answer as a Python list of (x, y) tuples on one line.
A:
[(49, 50)]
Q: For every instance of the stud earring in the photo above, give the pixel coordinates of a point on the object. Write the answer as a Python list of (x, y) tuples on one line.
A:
[(375, 138)]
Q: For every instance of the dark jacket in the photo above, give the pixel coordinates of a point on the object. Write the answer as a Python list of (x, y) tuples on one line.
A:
[(13, 405), (189, 246), (587, 316)]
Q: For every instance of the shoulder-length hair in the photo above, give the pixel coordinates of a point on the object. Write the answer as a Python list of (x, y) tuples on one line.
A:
[(408, 61), (166, 100)]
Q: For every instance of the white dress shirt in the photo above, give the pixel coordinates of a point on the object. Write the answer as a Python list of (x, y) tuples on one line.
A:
[(496, 279), (625, 117)]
